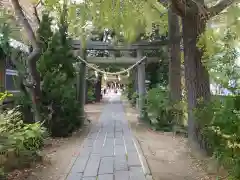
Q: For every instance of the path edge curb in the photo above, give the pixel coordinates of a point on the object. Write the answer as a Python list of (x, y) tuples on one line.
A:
[(74, 158), (142, 158)]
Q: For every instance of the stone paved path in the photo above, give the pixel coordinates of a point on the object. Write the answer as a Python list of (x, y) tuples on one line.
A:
[(108, 153)]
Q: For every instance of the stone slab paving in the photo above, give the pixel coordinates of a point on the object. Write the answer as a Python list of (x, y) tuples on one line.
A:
[(108, 152)]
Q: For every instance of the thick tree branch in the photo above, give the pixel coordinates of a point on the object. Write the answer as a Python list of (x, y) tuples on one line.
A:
[(34, 55), (36, 14), (219, 7), (40, 2), (25, 23), (185, 8)]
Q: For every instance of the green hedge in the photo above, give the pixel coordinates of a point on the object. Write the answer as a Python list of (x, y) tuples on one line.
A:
[(220, 126), (20, 142)]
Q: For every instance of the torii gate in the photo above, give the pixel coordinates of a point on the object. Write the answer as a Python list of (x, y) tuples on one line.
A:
[(138, 48)]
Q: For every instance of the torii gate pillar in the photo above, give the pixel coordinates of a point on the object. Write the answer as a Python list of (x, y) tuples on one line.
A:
[(81, 82), (141, 74)]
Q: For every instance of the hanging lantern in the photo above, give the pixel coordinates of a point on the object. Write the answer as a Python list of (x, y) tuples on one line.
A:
[(128, 74), (96, 73), (119, 78)]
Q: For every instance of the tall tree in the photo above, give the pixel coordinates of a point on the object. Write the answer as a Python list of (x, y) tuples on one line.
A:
[(33, 78), (174, 59), (194, 18)]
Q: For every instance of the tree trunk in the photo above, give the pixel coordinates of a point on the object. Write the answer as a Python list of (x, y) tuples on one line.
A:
[(98, 88), (174, 61), (34, 89), (32, 66), (33, 86), (196, 75), (88, 85)]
